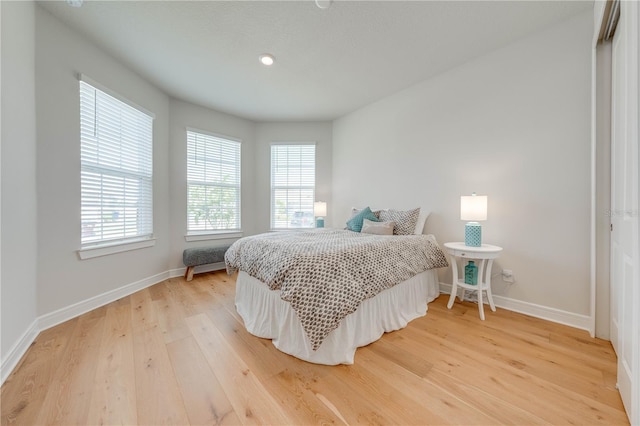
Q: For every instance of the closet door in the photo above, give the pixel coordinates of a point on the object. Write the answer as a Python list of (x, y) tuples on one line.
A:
[(625, 268)]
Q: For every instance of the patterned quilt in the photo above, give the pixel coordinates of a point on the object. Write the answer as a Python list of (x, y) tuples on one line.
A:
[(326, 273)]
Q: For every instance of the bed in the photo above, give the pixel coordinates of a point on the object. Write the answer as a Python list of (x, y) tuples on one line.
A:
[(322, 293)]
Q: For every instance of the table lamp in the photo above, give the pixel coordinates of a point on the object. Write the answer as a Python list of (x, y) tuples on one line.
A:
[(320, 212), (473, 208)]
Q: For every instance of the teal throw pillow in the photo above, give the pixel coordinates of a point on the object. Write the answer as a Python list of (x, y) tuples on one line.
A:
[(355, 223)]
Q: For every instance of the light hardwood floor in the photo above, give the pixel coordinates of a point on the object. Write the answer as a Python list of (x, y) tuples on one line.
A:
[(178, 353)]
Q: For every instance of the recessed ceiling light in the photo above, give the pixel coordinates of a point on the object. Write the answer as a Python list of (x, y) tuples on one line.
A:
[(324, 4), (267, 59)]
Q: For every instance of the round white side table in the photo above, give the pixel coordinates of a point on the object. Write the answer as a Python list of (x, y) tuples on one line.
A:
[(485, 255)]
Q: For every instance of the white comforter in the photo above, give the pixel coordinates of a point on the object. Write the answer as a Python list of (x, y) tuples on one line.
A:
[(325, 274)]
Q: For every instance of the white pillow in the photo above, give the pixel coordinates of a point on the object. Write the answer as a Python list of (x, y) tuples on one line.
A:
[(422, 220), (377, 228)]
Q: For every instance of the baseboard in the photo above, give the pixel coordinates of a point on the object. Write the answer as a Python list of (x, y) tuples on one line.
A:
[(18, 350), (571, 319), (64, 314), (178, 272), (69, 312)]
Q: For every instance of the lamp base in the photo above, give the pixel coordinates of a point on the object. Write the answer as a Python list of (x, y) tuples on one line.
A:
[(319, 222), (473, 234)]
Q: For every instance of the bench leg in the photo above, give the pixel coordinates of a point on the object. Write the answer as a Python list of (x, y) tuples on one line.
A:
[(188, 274)]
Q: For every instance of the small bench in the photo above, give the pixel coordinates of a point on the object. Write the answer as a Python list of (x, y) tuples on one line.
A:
[(193, 257)]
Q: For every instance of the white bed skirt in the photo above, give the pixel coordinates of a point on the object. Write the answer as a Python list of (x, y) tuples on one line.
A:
[(266, 315)]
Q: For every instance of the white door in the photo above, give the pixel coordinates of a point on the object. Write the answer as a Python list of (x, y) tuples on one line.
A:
[(625, 268)]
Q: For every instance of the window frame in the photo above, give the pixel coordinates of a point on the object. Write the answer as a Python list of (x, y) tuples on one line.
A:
[(145, 237), (214, 234), (301, 187)]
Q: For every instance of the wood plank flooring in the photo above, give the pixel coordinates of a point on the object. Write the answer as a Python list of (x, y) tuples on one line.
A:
[(178, 353)]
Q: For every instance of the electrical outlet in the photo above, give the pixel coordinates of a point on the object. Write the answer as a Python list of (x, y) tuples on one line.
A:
[(507, 276)]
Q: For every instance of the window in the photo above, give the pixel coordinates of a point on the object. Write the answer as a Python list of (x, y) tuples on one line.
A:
[(293, 180), (116, 154), (213, 183)]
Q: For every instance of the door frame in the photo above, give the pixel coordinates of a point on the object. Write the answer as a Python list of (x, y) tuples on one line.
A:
[(599, 15)]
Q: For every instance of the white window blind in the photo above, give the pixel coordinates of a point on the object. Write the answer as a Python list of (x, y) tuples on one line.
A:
[(213, 183), (293, 180), (116, 154)]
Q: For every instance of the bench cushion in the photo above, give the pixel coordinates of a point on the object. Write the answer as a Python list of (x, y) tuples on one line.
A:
[(203, 255)]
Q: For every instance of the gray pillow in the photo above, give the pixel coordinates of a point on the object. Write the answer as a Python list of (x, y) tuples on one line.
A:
[(377, 228)]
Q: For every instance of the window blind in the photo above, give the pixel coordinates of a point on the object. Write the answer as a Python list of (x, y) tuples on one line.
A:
[(293, 180), (116, 154), (213, 183)]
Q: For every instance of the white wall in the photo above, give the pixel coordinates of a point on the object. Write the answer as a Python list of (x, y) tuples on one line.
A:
[(185, 115), (268, 133), (19, 205), (514, 125), (63, 279)]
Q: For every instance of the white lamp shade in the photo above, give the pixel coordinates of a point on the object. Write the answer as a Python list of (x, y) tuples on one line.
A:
[(473, 207), (319, 209)]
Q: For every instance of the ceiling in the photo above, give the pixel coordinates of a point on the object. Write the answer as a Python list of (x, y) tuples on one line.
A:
[(329, 62)]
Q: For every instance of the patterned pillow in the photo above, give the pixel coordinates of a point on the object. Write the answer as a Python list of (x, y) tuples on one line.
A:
[(355, 223), (405, 220), (377, 228)]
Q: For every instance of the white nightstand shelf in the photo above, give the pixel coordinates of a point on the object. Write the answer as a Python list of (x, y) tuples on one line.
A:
[(485, 255)]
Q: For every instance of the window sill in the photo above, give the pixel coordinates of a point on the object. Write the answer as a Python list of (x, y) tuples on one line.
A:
[(290, 229), (213, 236), (107, 249)]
